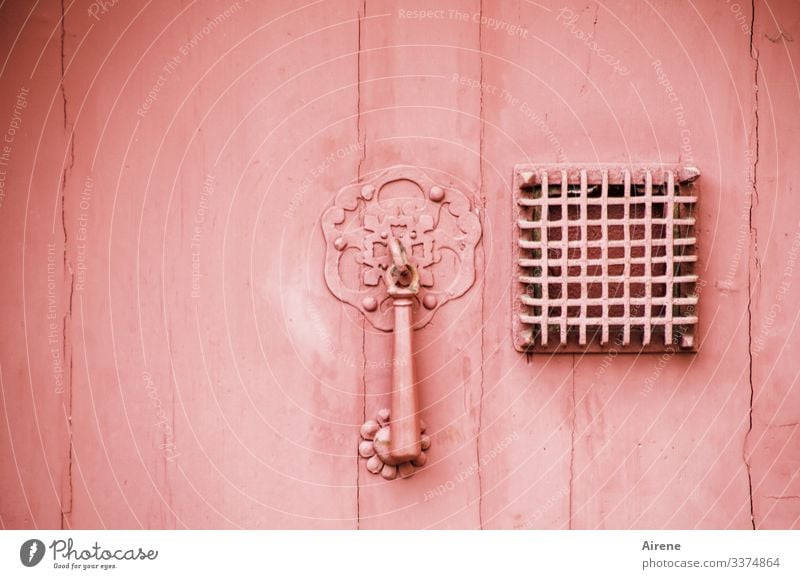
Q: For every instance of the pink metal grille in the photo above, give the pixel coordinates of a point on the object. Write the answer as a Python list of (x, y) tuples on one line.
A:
[(605, 258)]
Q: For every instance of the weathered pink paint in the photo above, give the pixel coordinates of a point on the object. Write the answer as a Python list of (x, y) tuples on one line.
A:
[(170, 353)]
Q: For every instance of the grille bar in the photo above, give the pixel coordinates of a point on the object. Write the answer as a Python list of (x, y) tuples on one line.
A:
[(605, 257)]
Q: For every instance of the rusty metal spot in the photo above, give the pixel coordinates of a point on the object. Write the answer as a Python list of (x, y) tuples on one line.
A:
[(434, 223), (605, 258)]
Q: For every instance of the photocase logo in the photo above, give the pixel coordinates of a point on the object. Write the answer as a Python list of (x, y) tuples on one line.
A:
[(31, 552)]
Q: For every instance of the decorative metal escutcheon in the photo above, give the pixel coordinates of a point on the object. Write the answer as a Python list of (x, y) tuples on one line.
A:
[(399, 247)]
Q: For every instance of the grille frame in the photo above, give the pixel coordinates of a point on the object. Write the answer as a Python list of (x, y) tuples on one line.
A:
[(577, 189)]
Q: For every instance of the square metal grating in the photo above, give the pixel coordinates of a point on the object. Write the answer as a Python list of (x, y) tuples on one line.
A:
[(605, 258)]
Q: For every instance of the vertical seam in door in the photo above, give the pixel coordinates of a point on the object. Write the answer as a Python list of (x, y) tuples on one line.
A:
[(572, 445), (362, 11), (66, 499), (483, 286), (750, 279)]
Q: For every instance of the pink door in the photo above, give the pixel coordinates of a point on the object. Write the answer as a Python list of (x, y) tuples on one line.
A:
[(172, 354)]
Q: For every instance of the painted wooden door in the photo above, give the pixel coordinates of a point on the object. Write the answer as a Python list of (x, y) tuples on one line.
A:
[(170, 354)]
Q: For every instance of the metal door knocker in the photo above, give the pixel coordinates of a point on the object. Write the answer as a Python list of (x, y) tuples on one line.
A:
[(394, 230)]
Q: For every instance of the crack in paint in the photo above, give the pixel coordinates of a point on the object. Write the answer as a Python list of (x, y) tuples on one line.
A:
[(363, 417), (594, 38), (66, 499), (481, 132), (362, 12), (572, 446), (752, 281)]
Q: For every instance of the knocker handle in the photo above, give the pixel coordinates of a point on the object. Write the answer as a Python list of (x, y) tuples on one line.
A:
[(404, 445), (388, 233)]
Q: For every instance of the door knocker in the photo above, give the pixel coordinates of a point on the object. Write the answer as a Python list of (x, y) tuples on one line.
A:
[(393, 230)]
